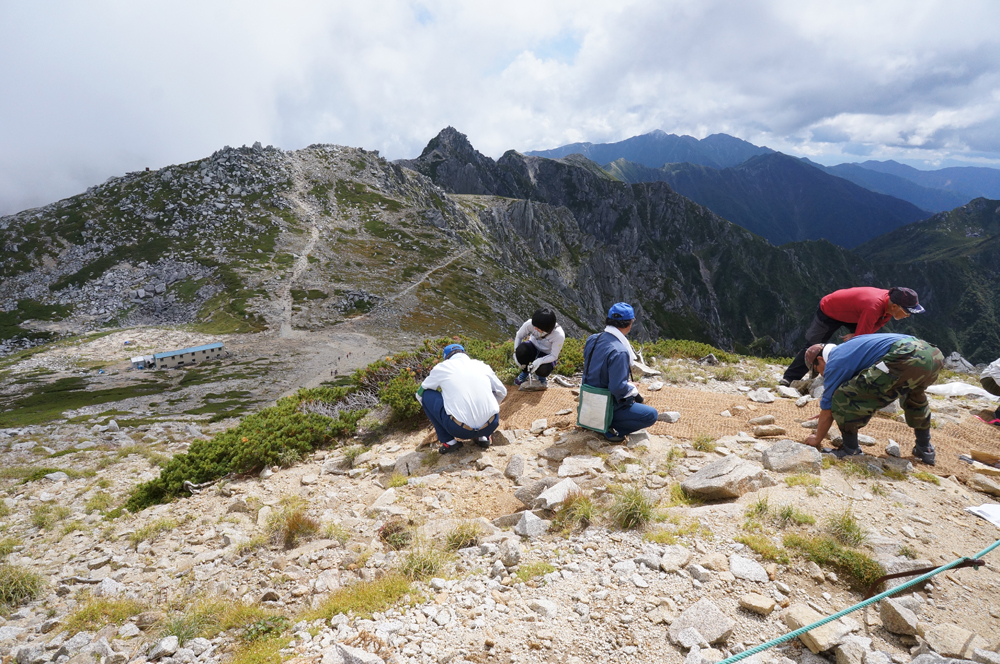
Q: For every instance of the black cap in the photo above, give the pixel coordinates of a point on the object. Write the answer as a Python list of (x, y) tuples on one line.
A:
[(544, 320), (906, 298)]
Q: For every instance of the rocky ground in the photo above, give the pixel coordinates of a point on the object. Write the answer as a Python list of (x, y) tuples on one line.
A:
[(528, 583)]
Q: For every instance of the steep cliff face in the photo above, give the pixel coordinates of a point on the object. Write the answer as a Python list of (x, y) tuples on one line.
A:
[(691, 273)]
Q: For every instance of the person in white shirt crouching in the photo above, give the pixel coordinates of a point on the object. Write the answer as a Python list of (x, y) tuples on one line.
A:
[(461, 398), (537, 346)]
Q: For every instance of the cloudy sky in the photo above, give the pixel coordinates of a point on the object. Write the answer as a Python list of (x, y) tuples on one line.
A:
[(94, 89)]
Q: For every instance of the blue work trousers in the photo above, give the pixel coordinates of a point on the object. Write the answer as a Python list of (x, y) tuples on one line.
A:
[(632, 418), (446, 428)]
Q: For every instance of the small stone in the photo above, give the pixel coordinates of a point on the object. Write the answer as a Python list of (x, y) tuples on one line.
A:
[(714, 625), (851, 651), (725, 413), (655, 386), (698, 573), (556, 495), (983, 656), (515, 467), (768, 430), (531, 526), (539, 426), (309, 480), (238, 506), (897, 618), (802, 401), (762, 395), (689, 638), (670, 417), (544, 607), (762, 420), (729, 477), (984, 484), (163, 648), (409, 464), (383, 502), (674, 557), (352, 655), (502, 437), (746, 569), (892, 449), (564, 411), (269, 596), (58, 476), (528, 493), (574, 466), (716, 562), (510, 552), (757, 604), (128, 630), (821, 638)]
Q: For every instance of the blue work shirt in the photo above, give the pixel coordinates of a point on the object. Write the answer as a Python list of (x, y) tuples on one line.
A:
[(609, 366), (851, 358)]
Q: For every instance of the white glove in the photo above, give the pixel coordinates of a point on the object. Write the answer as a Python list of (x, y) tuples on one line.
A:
[(419, 398), (533, 367)]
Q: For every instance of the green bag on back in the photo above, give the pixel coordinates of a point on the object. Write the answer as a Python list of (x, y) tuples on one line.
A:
[(596, 406)]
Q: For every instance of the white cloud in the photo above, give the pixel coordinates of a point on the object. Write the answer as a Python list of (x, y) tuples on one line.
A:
[(95, 89)]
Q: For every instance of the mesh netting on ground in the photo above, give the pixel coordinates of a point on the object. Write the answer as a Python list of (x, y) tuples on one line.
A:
[(700, 415)]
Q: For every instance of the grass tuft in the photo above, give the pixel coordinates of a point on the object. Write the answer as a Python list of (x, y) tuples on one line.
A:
[(533, 570), (151, 530), (209, 617), (423, 562), (395, 534), (18, 585), (98, 612), (46, 516), (762, 545), (660, 537), (397, 480), (631, 508), (844, 527), (930, 478), (824, 550), (704, 443), (364, 598), (465, 534), (678, 497), (577, 511), (292, 525)]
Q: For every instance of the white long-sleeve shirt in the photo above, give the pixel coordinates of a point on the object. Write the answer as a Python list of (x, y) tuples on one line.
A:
[(549, 346), (470, 390)]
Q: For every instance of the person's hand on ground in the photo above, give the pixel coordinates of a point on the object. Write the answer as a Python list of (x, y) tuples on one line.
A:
[(813, 441)]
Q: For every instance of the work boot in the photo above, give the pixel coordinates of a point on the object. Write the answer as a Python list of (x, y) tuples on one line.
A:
[(613, 436), (923, 450), (521, 377), (450, 446), (483, 442), (850, 447)]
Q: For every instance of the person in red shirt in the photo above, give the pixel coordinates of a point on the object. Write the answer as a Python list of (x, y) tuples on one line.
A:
[(862, 310)]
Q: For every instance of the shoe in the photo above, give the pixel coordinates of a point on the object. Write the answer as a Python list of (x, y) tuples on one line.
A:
[(521, 377), (923, 450), (483, 442), (450, 447), (613, 436), (844, 453), (543, 381), (785, 382)]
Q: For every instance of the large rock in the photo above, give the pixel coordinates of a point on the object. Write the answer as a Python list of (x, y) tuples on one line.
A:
[(762, 395), (705, 617), (729, 477), (575, 466), (529, 492), (821, 638), (503, 437), (746, 569), (951, 640), (897, 618), (556, 495), (674, 557), (787, 456)]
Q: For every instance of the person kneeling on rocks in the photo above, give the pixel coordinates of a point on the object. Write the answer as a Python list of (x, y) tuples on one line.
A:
[(537, 346), (461, 398), (608, 358), (867, 373)]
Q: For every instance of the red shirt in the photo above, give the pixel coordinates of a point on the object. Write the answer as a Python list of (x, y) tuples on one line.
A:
[(863, 305)]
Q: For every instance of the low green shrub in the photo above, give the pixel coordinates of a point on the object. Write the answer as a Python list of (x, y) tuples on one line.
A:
[(279, 435), (631, 508), (824, 550), (398, 394)]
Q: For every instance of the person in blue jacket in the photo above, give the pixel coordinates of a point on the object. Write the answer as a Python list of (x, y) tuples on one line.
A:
[(608, 358)]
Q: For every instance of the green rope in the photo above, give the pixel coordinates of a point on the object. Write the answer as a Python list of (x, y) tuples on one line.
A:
[(819, 623)]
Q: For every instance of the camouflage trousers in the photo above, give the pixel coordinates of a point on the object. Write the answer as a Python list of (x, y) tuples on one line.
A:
[(913, 366)]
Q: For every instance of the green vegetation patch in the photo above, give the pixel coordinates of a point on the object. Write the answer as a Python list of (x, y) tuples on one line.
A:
[(359, 195), (364, 598), (311, 294), (824, 550), (18, 585), (48, 402), (10, 321), (279, 435)]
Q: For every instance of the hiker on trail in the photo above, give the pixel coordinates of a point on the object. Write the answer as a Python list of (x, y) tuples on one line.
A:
[(461, 398), (537, 346), (862, 310), (867, 373), (608, 358), (990, 380)]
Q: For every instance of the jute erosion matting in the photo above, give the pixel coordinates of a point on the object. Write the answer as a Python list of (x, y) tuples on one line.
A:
[(700, 415)]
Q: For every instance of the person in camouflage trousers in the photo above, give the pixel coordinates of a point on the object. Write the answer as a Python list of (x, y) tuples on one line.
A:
[(868, 373)]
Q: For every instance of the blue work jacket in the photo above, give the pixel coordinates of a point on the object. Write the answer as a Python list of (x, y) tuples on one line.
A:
[(609, 366)]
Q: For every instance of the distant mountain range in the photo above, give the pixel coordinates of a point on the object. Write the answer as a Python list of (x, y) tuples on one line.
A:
[(658, 148), (782, 199), (932, 191)]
